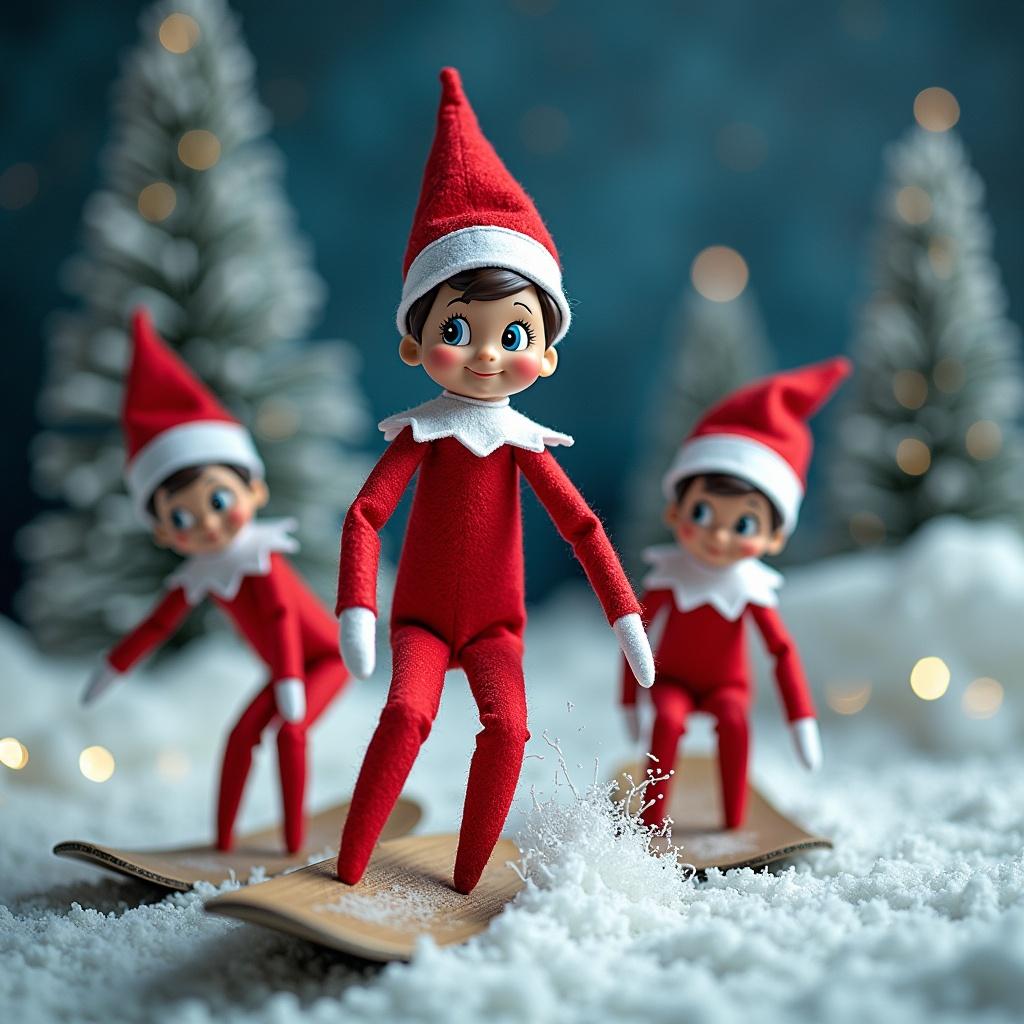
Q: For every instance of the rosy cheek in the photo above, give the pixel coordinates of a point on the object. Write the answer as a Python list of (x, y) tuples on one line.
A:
[(181, 538), (748, 548), (522, 369), (444, 357), (687, 531), (238, 517)]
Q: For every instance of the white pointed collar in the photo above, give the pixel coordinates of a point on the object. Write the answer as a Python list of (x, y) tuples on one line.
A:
[(693, 583), (247, 555), (482, 427)]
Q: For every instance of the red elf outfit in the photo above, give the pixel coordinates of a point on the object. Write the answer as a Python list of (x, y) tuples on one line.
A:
[(696, 612), (172, 422), (458, 599)]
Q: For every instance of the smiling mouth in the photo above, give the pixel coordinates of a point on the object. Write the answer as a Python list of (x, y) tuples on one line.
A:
[(478, 374), (712, 550)]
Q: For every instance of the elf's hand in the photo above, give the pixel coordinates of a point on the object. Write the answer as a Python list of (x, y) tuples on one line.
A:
[(357, 629), (807, 740), (102, 679), (290, 698), (631, 716), (632, 637)]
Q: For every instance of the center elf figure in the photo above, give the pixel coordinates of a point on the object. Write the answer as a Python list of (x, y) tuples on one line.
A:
[(482, 310), (734, 491), (196, 481)]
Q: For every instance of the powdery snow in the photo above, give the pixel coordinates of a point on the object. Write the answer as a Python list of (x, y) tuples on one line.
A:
[(916, 915)]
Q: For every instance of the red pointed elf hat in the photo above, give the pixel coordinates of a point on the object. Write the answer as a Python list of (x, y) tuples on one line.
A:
[(472, 213), (171, 421), (760, 434)]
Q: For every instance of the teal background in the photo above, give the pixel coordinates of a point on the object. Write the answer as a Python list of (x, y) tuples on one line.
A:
[(622, 157)]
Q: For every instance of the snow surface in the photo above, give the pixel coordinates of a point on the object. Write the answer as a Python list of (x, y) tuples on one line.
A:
[(916, 915)]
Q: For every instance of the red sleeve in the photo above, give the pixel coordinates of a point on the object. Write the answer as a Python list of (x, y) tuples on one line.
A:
[(650, 604), (279, 623), (577, 523), (789, 672), (373, 507), (154, 630)]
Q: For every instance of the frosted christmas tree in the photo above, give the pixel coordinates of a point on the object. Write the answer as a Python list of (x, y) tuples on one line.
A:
[(193, 222), (930, 428), (718, 346)]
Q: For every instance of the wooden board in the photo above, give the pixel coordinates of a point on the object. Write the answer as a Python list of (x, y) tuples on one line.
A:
[(406, 893), (698, 836), (180, 868)]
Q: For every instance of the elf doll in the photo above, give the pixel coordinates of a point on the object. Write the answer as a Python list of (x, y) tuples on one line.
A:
[(734, 491), (196, 480), (482, 310)]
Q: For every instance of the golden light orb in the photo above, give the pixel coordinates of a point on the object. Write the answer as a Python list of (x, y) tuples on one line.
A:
[(157, 201), (942, 256), (848, 698), (719, 273), (178, 33), (983, 440), (913, 456), (982, 698), (867, 528), (913, 204), (910, 388), (96, 763), (199, 149), (13, 753), (936, 109), (929, 678)]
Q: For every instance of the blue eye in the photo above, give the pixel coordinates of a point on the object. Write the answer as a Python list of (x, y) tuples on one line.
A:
[(182, 519), (747, 526), (455, 331), (222, 499), (516, 337), (701, 514)]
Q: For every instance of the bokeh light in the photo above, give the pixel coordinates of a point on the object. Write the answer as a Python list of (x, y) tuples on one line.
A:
[(913, 456), (719, 273), (982, 698), (867, 528), (910, 388), (936, 109), (848, 698), (929, 678), (913, 204), (13, 753), (157, 201), (942, 256), (173, 764), (178, 33), (199, 149), (983, 440), (96, 763)]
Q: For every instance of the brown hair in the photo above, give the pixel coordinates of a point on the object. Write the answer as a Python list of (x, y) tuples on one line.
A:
[(180, 479), (486, 285), (729, 485)]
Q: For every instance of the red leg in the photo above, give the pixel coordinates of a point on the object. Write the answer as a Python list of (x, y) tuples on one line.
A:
[(238, 761), (420, 660), (494, 667), (324, 679), (731, 709), (672, 706)]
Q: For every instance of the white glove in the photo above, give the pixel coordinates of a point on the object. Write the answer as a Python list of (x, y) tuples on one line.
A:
[(631, 716), (629, 631), (807, 740), (102, 679), (290, 698), (357, 630)]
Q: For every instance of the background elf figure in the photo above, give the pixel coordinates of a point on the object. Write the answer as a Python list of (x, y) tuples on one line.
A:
[(196, 479), (734, 492), (482, 309)]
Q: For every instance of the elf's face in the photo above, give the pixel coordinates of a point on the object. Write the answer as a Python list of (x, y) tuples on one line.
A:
[(205, 516), (722, 529), (482, 349)]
